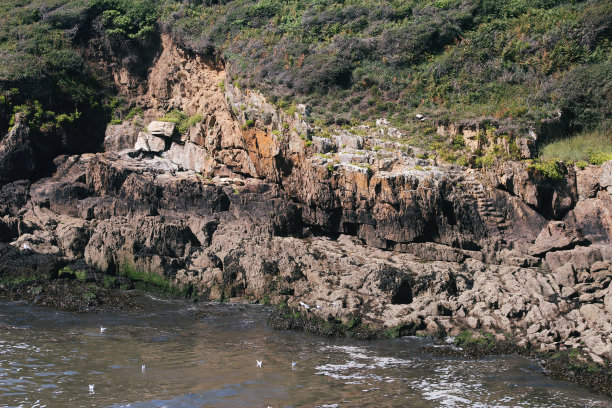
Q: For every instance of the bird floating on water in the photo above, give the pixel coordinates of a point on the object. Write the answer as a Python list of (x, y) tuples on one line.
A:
[(26, 247), (91, 388), (259, 363), (304, 305), (102, 329)]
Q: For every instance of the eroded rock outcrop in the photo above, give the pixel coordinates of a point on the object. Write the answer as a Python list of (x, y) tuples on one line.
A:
[(250, 203)]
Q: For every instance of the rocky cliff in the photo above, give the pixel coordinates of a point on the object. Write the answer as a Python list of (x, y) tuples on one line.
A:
[(255, 202)]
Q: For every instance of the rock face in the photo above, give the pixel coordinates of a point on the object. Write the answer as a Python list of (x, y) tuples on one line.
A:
[(16, 155), (150, 143), (243, 206), (120, 137), (556, 236), (161, 129)]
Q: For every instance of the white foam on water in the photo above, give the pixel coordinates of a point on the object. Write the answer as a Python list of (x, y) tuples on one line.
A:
[(352, 351)]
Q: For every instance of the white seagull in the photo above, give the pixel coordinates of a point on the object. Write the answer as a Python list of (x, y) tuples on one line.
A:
[(91, 388), (102, 329), (259, 363), (26, 247), (304, 305), (293, 364), (143, 368)]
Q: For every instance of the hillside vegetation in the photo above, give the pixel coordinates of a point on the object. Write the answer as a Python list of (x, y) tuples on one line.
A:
[(523, 64)]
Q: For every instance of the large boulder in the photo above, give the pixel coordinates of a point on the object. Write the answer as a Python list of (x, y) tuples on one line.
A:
[(579, 257), (165, 129), (587, 182), (188, 156), (593, 217), (150, 143), (120, 137), (556, 236)]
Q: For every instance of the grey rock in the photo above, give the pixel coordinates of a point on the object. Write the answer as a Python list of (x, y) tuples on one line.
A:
[(120, 137), (163, 129), (605, 180), (150, 143), (556, 236)]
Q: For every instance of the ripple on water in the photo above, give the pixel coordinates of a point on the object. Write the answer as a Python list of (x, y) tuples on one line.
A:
[(204, 355)]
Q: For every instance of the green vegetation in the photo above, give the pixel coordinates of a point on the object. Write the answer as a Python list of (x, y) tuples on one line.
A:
[(550, 169), (153, 282), (65, 99), (182, 120), (109, 281), (594, 147), (481, 340), (526, 64), (284, 317), (67, 271), (133, 113), (521, 61), (600, 157)]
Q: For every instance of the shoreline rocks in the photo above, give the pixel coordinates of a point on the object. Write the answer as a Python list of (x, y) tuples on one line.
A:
[(246, 208)]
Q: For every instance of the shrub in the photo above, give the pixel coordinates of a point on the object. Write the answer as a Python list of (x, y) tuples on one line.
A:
[(182, 120), (134, 112), (599, 157), (549, 169), (581, 164)]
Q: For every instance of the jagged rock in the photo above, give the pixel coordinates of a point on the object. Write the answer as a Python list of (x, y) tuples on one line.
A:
[(322, 145), (551, 198), (605, 180), (593, 217), (161, 129), (14, 196), (72, 238), (566, 276), (556, 236), (608, 300), (17, 160), (527, 147), (188, 156), (150, 143), (579, 257), (433, 252), (587, 182), (274, 221), (120, 137), (9, 228), (60, 196)]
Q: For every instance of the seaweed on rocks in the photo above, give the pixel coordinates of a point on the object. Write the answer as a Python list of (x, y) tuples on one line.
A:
[(572, 365)]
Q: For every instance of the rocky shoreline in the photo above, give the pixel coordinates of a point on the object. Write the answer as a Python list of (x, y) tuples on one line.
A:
[(355, 231), (572, 366)]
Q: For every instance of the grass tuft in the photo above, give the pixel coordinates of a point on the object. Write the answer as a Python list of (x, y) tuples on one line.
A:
[(594, 147)]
